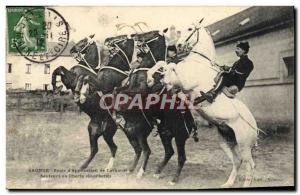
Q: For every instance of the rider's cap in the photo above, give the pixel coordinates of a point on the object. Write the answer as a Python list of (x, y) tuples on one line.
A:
[(243, 45)]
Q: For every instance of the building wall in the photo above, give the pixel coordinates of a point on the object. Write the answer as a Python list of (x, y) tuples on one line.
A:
[(269, 92), (37, 78)]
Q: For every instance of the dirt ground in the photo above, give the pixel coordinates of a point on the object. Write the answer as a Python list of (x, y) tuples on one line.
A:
[(58, 144)]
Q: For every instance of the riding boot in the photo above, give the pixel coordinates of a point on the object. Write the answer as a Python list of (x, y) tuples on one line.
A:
[(212, 94)]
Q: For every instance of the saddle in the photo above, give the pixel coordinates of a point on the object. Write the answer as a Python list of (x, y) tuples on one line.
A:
[(231, 91)]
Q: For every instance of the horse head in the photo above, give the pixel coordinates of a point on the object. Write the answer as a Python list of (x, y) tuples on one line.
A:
[(67, 78), (153, 45), (86, 52), (198, 39), (121, 50)]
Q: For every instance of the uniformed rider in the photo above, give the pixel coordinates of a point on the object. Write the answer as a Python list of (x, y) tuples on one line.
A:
[(234, 78)]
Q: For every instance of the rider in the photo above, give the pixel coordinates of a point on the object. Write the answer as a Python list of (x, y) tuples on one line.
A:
[(233, 77)]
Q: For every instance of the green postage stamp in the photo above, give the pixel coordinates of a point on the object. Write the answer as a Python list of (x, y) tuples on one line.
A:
[(39, 34)]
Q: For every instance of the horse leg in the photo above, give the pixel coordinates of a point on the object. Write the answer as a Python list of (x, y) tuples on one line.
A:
[(180, 144), (138, 151), (77, 88), (146, 153), (93, 135), (108, 138), (247, 159), (229, 151), (169, 152)]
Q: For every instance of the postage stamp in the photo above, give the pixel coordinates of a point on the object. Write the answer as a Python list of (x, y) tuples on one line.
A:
[(39, 34)]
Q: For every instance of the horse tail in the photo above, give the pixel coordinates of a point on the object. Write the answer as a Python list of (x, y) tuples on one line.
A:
[(245, 127)]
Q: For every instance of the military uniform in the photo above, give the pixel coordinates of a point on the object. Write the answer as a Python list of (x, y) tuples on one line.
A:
[(233, 78), (238, 73)]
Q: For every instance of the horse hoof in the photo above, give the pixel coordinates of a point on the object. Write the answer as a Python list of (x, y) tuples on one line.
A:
[(172, 183), (140, 173), (157, 176), (129, 171), (110, 164), (83, 167), (226, 185)]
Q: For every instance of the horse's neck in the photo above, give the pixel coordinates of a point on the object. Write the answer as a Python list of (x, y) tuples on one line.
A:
[(92, 56), (205, 45), (68, 78), (119, 62), (123, 57), (159, 49)]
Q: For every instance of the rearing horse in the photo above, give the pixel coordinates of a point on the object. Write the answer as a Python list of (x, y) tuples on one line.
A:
[(88, 56), (232, 118), (138, 125), (174, 123)]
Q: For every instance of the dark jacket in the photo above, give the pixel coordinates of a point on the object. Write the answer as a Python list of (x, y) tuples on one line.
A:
[(239, 72)]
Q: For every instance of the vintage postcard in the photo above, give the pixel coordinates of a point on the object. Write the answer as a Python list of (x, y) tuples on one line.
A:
[(150, 97)]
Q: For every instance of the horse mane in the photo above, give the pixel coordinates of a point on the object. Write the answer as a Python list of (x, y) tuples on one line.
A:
[(115, 38), (92, 55), (157, 47), (147, 35), (119, 60)]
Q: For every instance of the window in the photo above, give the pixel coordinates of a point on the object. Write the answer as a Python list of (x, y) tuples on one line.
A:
[(9, 68), (47, 69), (28, 68), (8, 86), (289, 62), (46, 87), (27, 86)]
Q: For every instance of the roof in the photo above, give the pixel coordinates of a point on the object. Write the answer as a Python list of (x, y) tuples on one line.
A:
[(253, 20), (66, 51)]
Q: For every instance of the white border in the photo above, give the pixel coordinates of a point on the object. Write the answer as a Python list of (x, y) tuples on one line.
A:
[(4, 3)]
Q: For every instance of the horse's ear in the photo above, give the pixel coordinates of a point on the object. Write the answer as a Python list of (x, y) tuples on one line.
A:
[(164, 31), (201, 21), (92, 36)]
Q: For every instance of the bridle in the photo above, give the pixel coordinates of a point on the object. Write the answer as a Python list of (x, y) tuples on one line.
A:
[(148, 49), (115, 44), (81, 56)]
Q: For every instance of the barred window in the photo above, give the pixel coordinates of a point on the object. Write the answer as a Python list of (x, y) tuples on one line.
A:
[(28, 86), (289, 62), (28, 68), (9, 68)]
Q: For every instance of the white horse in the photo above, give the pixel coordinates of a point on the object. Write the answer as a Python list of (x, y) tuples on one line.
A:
[(196, 73)]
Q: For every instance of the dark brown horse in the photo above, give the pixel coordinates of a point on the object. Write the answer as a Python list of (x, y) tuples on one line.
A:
[(88, 55), (174, 123), (138, 125)]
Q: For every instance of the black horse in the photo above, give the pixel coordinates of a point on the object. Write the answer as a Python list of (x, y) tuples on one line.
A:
[(138, 123), (174, 123), (88, 56)]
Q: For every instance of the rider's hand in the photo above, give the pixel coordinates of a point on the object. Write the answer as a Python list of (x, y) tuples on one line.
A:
[(225, 68)]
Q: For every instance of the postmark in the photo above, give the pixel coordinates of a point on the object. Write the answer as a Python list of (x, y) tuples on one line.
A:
[(39, 34)]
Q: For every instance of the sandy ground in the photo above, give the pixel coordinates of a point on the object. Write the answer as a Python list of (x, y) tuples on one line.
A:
[(50, 141)]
